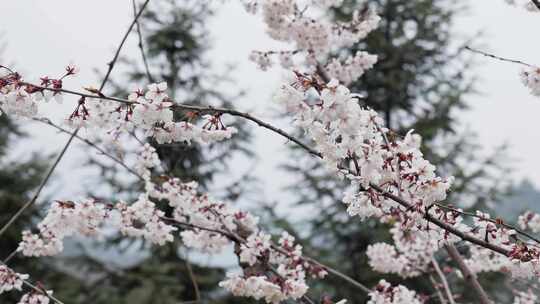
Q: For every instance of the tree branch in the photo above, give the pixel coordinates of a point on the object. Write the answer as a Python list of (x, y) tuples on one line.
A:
[(435, 284), (141, 46), (498, 57), (91, 144), (494, 221), (443, 225), (444, 282), (198, 109), (468, 275)]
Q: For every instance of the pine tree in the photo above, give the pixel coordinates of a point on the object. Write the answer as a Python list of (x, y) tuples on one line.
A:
[(419, 83)]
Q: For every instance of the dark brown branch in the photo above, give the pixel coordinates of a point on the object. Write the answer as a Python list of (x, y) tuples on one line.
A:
[(192, 226), (339, 274), (494, 221), (443, 225), (212, 110), (498, 57), (468, 275), (198, 109)]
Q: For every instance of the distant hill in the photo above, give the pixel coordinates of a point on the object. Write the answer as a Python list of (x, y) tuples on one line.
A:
[(525, 196)]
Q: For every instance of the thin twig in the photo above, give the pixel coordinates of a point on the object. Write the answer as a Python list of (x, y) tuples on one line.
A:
[(41, 186), (339, 274), (44, 292), (111, 65), (435, 284), (10, 256), (193, 280), (467, 274), (141, 45), (498, 57), (444, 282), (115, 58), (91, 144), (536, 3)]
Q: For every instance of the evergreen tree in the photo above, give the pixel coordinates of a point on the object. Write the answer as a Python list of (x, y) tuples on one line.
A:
[(419, 83)]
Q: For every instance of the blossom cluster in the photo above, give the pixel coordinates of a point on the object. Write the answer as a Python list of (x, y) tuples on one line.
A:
[(314, 36), (35, 298), (151, 111), (525, 298), (529, 221), (273, 271), (63, 219), (285, 281), (530, 77), (10, 280), (384, 293), (352, 68), (523, 260), (414, 248), (354, 144)]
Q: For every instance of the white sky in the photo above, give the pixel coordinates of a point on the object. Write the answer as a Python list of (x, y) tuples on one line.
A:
[(43, 36)]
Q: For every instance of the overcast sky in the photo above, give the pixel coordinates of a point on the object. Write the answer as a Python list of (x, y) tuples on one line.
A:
[(43, 36)]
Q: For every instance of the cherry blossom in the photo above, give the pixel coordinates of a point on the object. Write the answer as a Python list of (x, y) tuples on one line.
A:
[(10, 280), (314, 36), (525, 297), (530, 221), (384, 293), (530, 77), (352, 68), (35, 298), (255, 247), (275, 272), (150, 112), (63, 219)]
